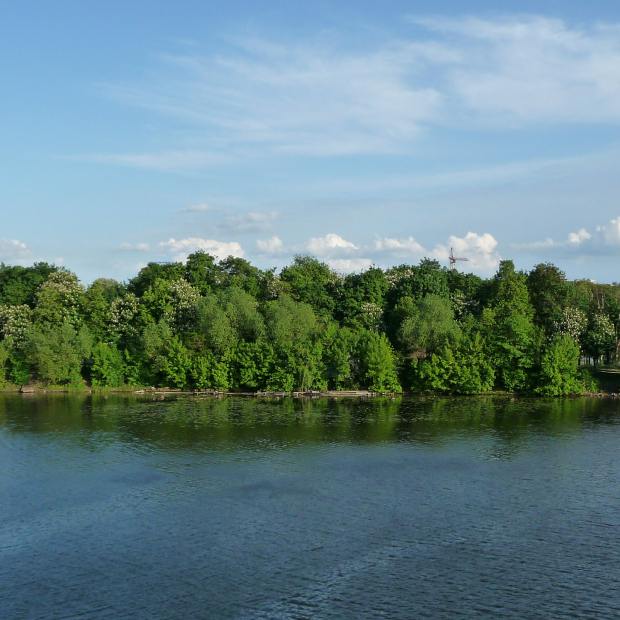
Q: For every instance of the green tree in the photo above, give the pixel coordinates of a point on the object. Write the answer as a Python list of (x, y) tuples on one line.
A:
[(426, 326), (214, 328), (60, 299), (58, 352), (599, 337), (548, 293), (123, 320), (148, 275), (559, 370), (108, 366), (427, 278), (362, 297), (19, 285), (203, 273), (208, 372), (312, 282), (4, 357), (97, 300), (339, 346), (509, 328), (252, 365), (378, 363), (458, 368), (241, 274), (170, 360), (243, 313)]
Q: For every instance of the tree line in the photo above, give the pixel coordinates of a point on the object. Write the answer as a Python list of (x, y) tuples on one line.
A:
[(230, 326)]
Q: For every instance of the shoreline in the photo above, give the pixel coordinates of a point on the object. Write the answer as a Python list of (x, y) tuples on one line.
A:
[(36, 390)]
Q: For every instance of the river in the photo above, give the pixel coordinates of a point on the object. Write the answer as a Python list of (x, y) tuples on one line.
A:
[(135, 507)]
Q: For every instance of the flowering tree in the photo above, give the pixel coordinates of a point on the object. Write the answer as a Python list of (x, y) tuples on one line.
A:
[(15, 321), (60, 298)]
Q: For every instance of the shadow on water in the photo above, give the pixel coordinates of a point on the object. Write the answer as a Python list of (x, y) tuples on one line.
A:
[(177, 422)]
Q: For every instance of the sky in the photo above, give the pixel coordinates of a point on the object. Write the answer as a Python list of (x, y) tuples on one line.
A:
[(360, 132)]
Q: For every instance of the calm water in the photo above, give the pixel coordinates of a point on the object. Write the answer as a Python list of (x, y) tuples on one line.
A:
[(239, 508)]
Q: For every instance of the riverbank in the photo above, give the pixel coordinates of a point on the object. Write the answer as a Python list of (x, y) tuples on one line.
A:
[(40, 390)]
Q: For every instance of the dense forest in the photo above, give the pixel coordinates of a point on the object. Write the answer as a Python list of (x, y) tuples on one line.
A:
[(229, 326)]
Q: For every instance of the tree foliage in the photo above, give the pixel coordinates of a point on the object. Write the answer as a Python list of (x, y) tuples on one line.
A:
[(228, 325)]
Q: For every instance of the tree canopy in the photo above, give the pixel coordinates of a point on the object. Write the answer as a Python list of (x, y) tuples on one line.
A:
[(228, 325)]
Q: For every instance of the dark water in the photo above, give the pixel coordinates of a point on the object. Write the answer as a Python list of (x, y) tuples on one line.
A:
[(238, 508)]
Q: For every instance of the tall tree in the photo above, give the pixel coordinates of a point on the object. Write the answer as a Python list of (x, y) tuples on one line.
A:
[(548, 294), (510, 328)]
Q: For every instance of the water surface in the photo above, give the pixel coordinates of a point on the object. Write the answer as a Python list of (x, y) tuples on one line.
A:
[(122, 507)]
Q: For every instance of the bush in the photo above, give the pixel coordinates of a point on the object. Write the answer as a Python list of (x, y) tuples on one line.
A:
[(107, 366), (58, 352), (378, 364), (559, 368), (462, 369)]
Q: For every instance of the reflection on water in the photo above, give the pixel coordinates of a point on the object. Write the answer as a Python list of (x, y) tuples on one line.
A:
[(219, 423), (125, 506)]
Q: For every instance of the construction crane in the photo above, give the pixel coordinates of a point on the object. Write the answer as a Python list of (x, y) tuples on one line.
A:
[(453, 259)]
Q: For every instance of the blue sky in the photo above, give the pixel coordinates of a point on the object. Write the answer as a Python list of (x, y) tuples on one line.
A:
[(361, 132)]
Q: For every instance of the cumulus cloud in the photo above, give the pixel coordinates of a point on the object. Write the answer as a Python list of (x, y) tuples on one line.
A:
[(350, 265), (180, 249), (13, 250), (610, 232), (403, 247), (578, 237), (330, 244), (135, 247), (273, 245), (479, 250)]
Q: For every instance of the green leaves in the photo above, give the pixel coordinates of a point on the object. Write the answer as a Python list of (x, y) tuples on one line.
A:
[(58, 352), (228, 325), (377, 363), (460, 368), (559, 368)]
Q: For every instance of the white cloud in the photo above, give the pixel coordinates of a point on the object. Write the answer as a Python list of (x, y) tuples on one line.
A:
[(604, 240), (329, 244), (349, 265), (520, 69), (165, 161), (181, 248), (343, 255), (13, 250), (321, 97), (578, 237), (253, 221), (309, 97), (273, 245), (610, 232), (479, 250), (135, 247), (201, 207), (403, 247)]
